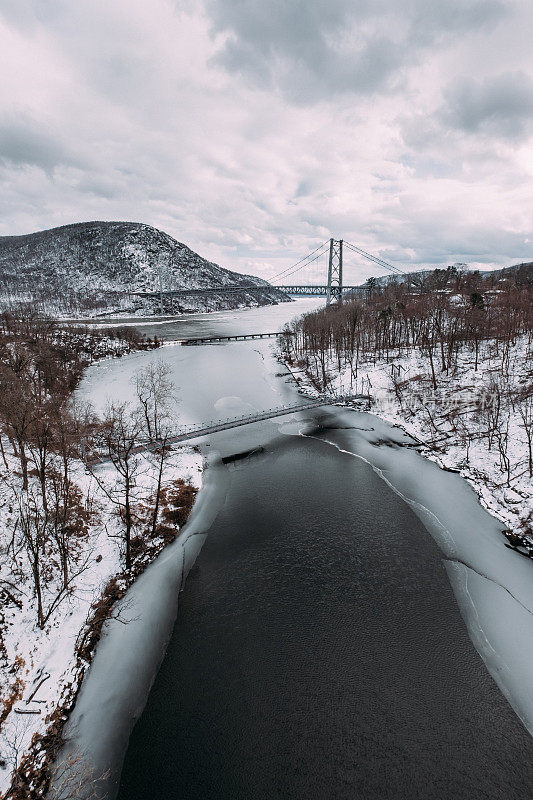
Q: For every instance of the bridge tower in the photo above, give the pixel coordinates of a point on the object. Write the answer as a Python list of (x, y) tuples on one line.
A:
[(334, 271)]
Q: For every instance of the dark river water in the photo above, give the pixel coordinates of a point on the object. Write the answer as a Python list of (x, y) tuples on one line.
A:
[(319, 653), (318, 650)]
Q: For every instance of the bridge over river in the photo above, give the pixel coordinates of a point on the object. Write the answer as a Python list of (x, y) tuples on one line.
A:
[(290, 280), (195, 432), (238, 337), (237, 422), (317, 650)]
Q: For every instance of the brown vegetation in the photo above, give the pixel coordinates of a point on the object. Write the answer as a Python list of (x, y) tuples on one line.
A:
[(382, 323), (449, 318), (41, 364)]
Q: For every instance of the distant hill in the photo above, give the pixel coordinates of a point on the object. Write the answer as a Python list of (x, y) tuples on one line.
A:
[(431, 279), (521, 273), (89, 267)]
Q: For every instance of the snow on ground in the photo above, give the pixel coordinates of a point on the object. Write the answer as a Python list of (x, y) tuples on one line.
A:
[(42, 664), (98, 730), (456, 442)]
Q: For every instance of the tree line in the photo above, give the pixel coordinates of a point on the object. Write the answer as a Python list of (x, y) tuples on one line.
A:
[(46, 431), (447, 317), (384, 322)]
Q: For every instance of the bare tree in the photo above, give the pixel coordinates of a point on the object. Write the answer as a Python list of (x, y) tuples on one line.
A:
[(525, 409), (14, 738), (122, 434), (17, 414), (74, 776), (37, 540), (154, 389), (34, 534)]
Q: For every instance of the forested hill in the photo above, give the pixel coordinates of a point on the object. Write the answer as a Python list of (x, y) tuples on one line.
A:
[(454, 277), (73, 269)]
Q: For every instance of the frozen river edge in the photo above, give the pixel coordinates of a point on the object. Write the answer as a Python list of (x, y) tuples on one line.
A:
[(493, 585), (114, 691)]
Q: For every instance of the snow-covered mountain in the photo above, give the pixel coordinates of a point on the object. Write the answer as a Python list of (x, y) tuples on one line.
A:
[(95, 267)]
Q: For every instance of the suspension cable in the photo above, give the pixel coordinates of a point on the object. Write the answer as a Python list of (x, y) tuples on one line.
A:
[(300, 261), (306, 265), (375, 259)]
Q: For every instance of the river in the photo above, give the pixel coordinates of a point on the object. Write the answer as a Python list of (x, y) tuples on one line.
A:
[(318, 649)]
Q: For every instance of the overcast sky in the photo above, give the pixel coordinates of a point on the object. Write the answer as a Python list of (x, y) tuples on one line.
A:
[(252, 130)]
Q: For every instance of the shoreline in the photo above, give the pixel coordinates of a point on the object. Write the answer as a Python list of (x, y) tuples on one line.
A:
[(128, 319), (99, 725), (442, 455), (42, 691), (71, 749), (34, 768), (308, 391), (492, 581)]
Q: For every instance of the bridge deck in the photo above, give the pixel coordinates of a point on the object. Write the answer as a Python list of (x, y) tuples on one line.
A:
[(235, 422), (294, 289), (308, 290), (228, 288), (239, 337), (313, 291)]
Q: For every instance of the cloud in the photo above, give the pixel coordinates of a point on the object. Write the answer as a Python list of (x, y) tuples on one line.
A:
[(253, 131), (23, 142), (308, 49), (312, 49), (501, 106), (433, 19)]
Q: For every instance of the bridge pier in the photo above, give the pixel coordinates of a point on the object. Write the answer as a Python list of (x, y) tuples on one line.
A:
[(334, 271)]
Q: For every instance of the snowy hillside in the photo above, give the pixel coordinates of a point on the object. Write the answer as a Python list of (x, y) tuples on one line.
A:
[(453, 278), (96, 267)]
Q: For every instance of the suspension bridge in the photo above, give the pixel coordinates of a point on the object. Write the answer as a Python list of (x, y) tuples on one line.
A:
[(308, 276), (335, 287)]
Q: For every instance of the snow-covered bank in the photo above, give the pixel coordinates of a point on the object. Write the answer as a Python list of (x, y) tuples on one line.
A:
[(473, 418), (453, 421), (40, 669), (134, 640), (493, 583)]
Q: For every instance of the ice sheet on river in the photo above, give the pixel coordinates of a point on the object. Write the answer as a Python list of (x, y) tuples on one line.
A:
[(493, 584), (134, 640)]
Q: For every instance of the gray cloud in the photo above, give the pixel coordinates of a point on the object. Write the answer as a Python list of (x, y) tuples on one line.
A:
[(434, 19), (311, 50), (208, 118), (28, 15), (26, 143), (301, 47), (501, 106), (106, 187), (369, 68)]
